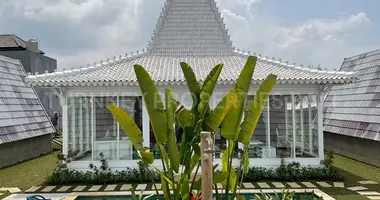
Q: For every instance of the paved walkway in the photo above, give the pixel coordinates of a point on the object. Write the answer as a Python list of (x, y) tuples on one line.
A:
[(360, 188)]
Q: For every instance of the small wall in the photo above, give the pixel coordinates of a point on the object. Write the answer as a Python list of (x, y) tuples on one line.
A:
[(15, 152), (356, 148)]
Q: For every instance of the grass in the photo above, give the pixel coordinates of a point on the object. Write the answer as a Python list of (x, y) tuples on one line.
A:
[(29, 173), (354, 171)]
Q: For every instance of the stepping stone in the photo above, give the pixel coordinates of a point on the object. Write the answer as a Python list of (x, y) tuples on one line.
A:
[(33, 189), (293, 184), (324, 184), (95, 188), (63, 188), (1, 194), (374, 197), (263, 185), (79, 188), (110, 188), (339, 184), (309, 185), (278, 184), (140, 187), (14, 190), (125, 187), (369, 193), (3, 189), (367, 182), (158, 187), (48, 189), (248, 185), (357, 188)]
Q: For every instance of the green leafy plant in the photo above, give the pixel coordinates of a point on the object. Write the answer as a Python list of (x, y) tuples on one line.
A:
[(200, 117)]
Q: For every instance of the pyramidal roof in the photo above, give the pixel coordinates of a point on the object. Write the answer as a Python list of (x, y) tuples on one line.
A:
[(190, 27), (192, 31)]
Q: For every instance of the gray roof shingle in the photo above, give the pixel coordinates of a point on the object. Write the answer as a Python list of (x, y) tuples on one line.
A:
[(21, 113), (354, 109)]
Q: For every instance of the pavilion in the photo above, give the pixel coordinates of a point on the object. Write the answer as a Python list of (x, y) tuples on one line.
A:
[(192, 31)]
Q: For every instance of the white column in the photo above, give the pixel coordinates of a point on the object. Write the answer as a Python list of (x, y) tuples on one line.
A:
[(310, 126), (294, 126), (118, 130), (80, 120), (93, 122), (301, 125), (320, 125), (73, 124), (65, 127), (146, 127), (286, 119)]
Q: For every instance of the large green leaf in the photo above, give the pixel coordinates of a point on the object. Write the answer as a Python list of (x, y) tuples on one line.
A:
[(216, 117), (185, 189), (225, 166), (172, 138), (183, 116), (128, 125), (208, 89), (255, 109), (147, 157), (192, 82), (232, 121), (153, 103)]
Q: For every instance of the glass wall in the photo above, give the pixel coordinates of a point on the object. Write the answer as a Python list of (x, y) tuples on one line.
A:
[(80, 127), (92, 130)]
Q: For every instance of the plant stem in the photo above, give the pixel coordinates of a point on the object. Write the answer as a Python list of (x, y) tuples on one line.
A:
[(229, 167), (238, 176), (153, 181), (196, 171), (216, 191)]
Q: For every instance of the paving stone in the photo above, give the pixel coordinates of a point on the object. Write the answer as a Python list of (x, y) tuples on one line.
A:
[(263, 185), (63, 188), (369, 193), (278, 184), (3, 189), (140, 187), (1, 194), (357, 188), (110, 188), (158, 186), (324, 184), (95, 188), (293, 184), (248, 185), (33, 189), (367, 182), (374, 197), (339, 184), (125, 187), (48, 189), (79, 188), (14, 190), (309, 185)]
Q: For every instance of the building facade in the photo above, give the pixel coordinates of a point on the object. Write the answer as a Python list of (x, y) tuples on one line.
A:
[(192, 31)]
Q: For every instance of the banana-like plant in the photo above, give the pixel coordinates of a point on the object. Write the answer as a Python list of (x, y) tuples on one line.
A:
[(200, 117)]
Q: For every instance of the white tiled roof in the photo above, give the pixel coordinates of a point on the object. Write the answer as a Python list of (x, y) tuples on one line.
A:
[(191, 31), (166, 70)]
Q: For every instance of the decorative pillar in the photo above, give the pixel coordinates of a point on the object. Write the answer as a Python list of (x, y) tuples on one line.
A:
[(320, 100), (146, 126)]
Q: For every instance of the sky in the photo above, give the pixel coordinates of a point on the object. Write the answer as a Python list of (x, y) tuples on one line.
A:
[(81, 32)]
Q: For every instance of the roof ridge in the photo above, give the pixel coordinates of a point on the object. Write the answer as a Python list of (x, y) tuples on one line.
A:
[(286, 64), (366, 54)]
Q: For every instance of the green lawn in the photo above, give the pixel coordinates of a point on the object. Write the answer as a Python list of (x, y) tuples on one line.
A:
[(354, 171), (29, 173)]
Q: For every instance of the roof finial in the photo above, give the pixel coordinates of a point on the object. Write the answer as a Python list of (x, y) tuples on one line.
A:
[(126, 54), (88, 65), (101, 61), (114, 57), (108, 59)]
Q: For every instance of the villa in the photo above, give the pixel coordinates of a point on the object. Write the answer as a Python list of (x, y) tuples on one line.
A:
[(193, 31)]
